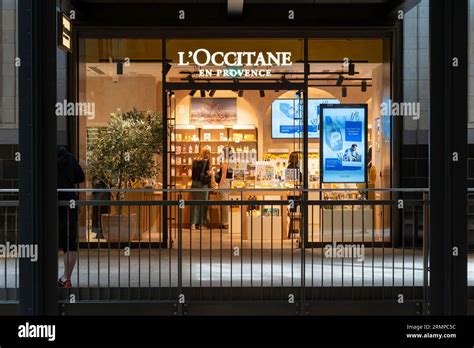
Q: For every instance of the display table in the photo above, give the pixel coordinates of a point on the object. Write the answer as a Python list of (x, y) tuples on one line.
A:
[(252, 225)]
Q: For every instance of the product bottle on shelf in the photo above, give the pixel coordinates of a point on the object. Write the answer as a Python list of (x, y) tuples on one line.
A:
[(196, 148), (190, 149)]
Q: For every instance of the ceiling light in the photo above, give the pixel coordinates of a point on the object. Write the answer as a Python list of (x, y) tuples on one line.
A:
[(262, 93), (167, 68), (339, 81), (211, 94), (351, 68), (203, 93), (192, 93), (241, 93), (363, 87), (344, 92)]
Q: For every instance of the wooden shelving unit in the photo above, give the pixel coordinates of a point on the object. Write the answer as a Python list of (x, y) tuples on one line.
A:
[(242, 138)]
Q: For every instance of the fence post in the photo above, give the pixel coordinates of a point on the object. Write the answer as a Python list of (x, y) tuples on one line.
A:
[(426, 252)]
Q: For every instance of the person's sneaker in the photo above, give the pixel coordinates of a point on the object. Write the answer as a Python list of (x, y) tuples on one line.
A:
[(66, 284)]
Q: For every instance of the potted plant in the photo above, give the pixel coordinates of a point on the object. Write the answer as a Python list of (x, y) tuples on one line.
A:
[(122, 157)]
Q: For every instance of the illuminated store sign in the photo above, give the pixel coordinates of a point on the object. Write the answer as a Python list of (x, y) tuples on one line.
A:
[(65, 32), (203, 58)]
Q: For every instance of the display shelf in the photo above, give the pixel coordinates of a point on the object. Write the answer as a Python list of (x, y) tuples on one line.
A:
[(242, 137)]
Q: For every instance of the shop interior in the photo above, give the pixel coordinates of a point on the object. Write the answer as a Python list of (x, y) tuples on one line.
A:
[(249, 117)]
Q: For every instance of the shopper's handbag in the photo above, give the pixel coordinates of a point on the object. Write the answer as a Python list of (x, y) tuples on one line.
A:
[(218, 176), (204, 177)]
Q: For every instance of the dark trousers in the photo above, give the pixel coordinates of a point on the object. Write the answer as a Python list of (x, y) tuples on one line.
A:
[(97, 211)]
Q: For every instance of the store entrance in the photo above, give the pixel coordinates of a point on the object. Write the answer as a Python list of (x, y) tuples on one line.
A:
[(247, 161)]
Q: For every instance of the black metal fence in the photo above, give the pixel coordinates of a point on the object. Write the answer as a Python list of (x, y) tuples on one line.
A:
[(289, 252), (287, 249)]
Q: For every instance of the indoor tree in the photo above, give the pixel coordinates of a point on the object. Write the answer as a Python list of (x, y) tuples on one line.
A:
[(123, 153)]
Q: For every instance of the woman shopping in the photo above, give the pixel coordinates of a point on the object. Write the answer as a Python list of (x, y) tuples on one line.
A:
[(200, 180)]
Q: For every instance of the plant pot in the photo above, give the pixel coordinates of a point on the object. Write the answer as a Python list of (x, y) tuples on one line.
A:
[(119, 228)]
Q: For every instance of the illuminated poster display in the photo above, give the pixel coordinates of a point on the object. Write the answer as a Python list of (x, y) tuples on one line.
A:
[(287, 117), (343, 143)]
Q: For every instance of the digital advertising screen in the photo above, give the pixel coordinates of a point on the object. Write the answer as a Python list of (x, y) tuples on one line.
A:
[(287, 117), (343, 143)]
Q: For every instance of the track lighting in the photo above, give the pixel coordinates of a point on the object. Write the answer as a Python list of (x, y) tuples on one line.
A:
[(340, 80), (192, 93), (211, 94), (172, 95), (241, 93), (262, 93), (190, 78), (203, 93), (351, 68), (363, 87), (167, 68), (344, 92)]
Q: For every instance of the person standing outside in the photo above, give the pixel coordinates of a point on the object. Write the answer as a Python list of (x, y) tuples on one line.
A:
[(70, 173), (201, 179)]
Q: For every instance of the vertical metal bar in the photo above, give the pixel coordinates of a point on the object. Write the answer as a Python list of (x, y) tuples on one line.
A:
[(271, 250), (16, 260), (6, 256), (139, 223), (363, 242), (243, 215), (160, 208), (210, 247), (413, 249), (108, 253), (383, 251), (129, 251), (200, 254), (304, 196), (88, 252), (119, 250), (251, 246), (322, 249), (342, 234), (231, 250), (164, 136), (373, 249), (352, 258), (426, 266), (220, 252), (261, 250), (190, 252), (180, 257), (332, 256), (98, 248)]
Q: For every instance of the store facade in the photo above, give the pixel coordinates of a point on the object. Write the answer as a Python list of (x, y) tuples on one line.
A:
[(307, 113), (265, 103)]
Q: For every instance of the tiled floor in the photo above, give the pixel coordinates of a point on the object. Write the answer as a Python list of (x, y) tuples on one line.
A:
[(159, 267)]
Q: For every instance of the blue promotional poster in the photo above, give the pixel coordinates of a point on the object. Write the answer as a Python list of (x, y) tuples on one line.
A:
[(287, 117), (343, 143)]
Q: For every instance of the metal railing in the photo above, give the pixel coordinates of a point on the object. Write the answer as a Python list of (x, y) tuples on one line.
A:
[(280, 246)]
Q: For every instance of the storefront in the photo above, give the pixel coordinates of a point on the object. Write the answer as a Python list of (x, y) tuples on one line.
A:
[(265, 97)]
